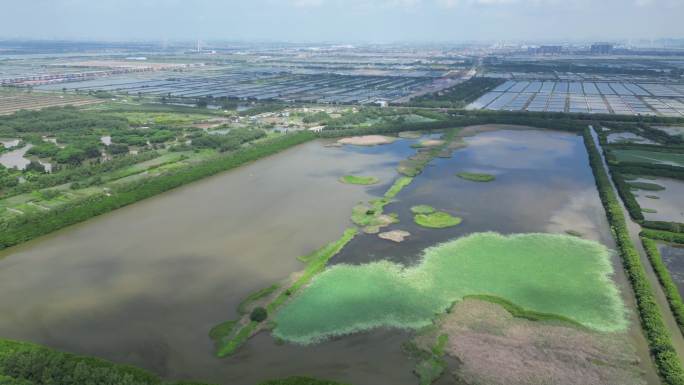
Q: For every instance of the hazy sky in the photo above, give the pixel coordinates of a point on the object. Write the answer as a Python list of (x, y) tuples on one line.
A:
[(341, 20)]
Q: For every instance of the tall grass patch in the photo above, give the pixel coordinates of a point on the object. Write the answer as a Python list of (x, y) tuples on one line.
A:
[(546, 273)]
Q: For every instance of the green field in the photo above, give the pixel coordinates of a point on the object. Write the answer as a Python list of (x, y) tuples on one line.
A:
[(655, 157), (546, 273)]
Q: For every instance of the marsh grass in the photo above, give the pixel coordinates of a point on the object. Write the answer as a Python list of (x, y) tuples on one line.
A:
[(646, 186), (422, 209), (359, 180), (437, 220), (475, 177), (398, 185), (547, 274)]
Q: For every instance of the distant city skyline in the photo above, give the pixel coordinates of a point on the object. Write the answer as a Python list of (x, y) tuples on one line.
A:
[(377, 21)]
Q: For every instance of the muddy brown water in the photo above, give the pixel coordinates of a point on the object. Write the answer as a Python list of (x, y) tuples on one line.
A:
[(144, 284)]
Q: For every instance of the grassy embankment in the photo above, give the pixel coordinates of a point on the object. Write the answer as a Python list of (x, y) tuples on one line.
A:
[(475, 177), (674, 299), (360, 180), (26, 227), (573, 284), (657, 335)]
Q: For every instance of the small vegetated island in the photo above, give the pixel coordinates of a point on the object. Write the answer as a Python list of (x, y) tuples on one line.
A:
[(551, 275), (476, 177), (427, 216), (360, 180)]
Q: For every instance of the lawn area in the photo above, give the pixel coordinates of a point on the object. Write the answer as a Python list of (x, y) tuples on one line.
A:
[(655, 157), (547, 273)]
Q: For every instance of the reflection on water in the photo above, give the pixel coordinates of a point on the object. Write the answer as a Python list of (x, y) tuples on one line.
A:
[(628, 137), (15, 158), (673, 257), (543, 184), (669, 204)]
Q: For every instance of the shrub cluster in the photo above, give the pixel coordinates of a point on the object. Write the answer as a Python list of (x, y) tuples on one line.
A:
[(26, 363)]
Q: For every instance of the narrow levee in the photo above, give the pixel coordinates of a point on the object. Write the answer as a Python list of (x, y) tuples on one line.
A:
[(634, 230)]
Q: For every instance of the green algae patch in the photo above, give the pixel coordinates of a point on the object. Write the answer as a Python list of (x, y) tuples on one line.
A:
[(475, 177), (437, 220), (545, 274), (422, 209), (360, 180)]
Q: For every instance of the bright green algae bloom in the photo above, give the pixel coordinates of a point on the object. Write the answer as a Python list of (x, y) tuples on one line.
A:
[(549, 273), (360, 180), (438, 220)]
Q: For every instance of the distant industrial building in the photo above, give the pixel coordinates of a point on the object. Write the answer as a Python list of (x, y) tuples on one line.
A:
[(602, 48), (546, 50)]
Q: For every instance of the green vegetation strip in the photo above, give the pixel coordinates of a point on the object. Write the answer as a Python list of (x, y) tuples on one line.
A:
[(316, 262), (23, 228), (669, 287), (398, 185), (545, 273), (437, 220), (659, 340), (662, 235), (243, 306), (474, 177), (517, 311), (360, 180), (646, 186)]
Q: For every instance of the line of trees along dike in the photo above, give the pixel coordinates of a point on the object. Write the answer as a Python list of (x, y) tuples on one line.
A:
[(669, 287), (25, 227), (659, 340)]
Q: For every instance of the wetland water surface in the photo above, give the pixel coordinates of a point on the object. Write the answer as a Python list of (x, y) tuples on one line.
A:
[(673, 257), (143, 285)]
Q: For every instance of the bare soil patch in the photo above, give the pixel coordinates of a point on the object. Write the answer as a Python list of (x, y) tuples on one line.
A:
[(493, 347)]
